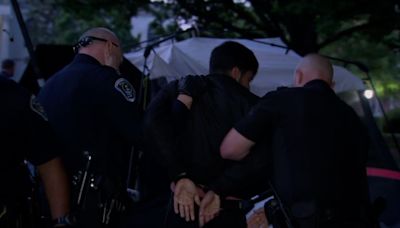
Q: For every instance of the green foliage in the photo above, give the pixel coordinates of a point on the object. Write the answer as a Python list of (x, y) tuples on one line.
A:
[(355, 30), (164, 22), (63, 21), (383, 63), (305, 26)]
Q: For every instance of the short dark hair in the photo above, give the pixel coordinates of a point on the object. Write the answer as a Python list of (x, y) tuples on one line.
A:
[(7, 64), (232, 54)]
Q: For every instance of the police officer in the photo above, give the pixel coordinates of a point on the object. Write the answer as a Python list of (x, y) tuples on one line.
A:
[(318, 151), (93, 110), (26, 134), (188, 133)]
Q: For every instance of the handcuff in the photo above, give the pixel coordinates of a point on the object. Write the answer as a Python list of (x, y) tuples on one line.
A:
[(181, 176)]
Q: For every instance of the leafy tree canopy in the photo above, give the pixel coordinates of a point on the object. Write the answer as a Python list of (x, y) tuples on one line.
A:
[(304, 25), (63, 21), (357, 30)]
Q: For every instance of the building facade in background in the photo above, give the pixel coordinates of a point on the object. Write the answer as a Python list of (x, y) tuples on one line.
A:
[(12, 44)]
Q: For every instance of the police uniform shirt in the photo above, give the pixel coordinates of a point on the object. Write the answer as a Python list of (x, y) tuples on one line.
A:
[(93, 109), (24, 131), (318, 150)]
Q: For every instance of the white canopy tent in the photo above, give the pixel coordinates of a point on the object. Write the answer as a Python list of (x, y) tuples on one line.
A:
[(191, 56)]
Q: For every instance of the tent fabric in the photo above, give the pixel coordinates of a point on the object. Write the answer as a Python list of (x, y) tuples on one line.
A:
[(191, 56)]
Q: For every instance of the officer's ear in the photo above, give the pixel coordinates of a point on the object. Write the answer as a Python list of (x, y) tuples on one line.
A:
[(333, 83), (108, 48), (298, 77)]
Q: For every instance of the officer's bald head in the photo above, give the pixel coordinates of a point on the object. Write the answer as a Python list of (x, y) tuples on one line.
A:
[(101, 32), (311, 67), (103, 45)]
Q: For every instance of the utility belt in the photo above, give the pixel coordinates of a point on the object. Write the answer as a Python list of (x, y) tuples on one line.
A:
[(97, 196), (307, 213), (299, 214), (275, 212)]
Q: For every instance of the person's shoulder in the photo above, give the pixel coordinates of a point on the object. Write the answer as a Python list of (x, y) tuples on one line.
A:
[(7, 83), (172, 85), (279, 91), (13, 96), (281, 96), (85, 64), (11, 87), (98, 77), (170, 89)]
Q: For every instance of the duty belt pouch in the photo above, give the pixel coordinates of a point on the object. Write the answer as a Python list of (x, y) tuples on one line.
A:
[(304, 214), (274, 214), (81, 182), (113, 200), (96, 195)]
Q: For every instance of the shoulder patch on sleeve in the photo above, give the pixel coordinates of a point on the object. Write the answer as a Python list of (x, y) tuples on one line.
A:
[(126, 89), (37, 108)]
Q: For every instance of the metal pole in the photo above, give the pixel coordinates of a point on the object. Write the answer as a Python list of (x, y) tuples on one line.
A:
[(27, 39)]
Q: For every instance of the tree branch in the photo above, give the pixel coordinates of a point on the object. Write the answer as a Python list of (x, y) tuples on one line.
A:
[(343, 33), (263, 11), (216, 18)]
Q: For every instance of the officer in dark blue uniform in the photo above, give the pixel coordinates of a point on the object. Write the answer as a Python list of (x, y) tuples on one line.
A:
[(94, 111), (318, 151), (26, 134)]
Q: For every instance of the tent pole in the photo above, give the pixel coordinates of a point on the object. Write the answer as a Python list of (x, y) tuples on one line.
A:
[(28, 41)]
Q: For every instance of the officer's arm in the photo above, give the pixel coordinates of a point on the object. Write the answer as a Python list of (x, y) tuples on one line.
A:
[(251, 129), (122, 109), (44, 149), (235, 146), (186, 100), (55, 183)]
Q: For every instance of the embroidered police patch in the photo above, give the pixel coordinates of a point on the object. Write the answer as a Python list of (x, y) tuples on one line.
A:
[(37, 108), (127, 90)]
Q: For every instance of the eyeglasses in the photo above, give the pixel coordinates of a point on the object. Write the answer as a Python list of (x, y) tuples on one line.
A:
[(101, 39), (85, 41)]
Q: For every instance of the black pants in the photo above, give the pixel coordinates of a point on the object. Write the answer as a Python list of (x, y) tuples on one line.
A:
[(93, 216), (147, 214)]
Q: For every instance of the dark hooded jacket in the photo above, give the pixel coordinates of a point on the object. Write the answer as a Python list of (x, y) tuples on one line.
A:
[(190, 143)]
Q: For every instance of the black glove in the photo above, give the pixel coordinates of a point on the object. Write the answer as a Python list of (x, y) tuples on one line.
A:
[(192, 85)]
